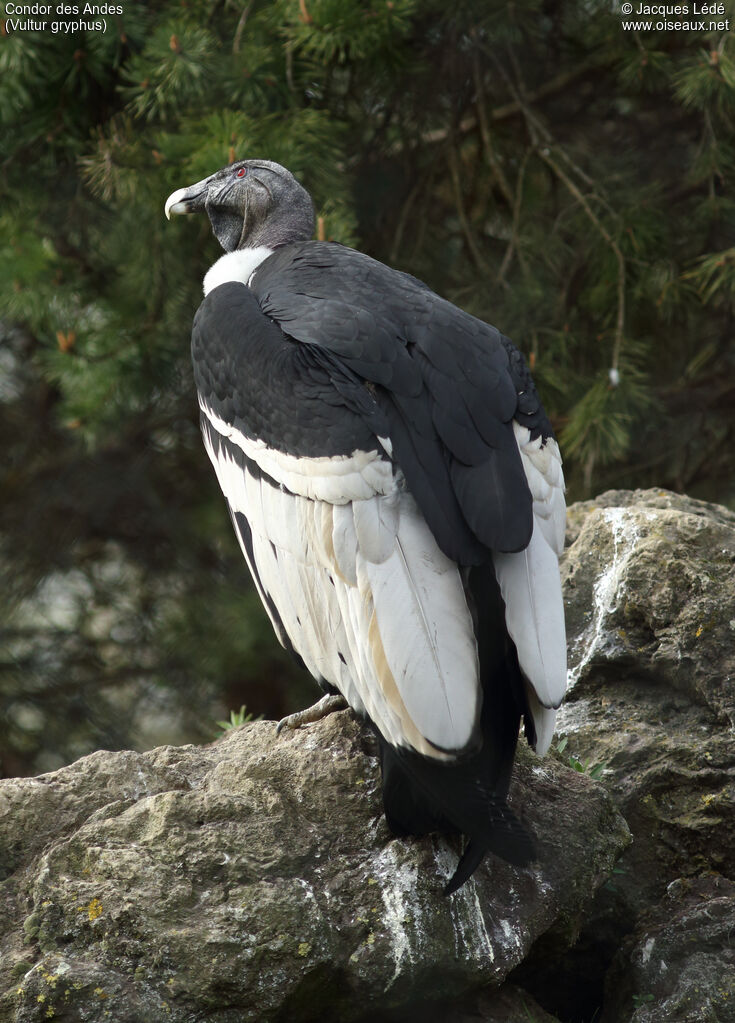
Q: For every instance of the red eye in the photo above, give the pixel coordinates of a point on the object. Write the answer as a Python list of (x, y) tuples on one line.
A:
[(241, 173)]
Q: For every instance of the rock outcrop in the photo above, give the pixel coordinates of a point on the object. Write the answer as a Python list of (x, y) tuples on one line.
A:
[(649, 585), (255, 879), (679, 965)]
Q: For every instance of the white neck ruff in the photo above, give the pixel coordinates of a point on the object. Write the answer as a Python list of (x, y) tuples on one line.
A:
[(235, 266)]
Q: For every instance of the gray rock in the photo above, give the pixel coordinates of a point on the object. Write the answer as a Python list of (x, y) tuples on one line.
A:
[(679, 966), (509, 1004), (649, 583), (649, 586), (255, 879)]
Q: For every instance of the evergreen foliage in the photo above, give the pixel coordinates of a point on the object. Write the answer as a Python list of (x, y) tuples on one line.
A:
[(567, 180)]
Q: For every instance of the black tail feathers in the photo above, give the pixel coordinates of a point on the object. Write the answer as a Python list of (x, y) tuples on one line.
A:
[(507, 838), (421, 796)]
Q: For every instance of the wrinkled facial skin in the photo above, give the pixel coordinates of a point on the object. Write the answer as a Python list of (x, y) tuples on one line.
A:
[(239, 198)]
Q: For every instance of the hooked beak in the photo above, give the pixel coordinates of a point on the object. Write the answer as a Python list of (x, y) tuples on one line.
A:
[(187, 200)]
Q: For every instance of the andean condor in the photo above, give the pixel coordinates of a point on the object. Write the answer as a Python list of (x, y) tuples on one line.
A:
[(397, 492)]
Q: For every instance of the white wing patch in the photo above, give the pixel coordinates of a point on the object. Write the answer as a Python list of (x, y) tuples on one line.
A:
[(337, 480), (426, 631), (362, 589), (531, 586)]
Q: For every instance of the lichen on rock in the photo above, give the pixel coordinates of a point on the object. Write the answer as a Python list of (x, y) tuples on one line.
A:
[(256, 877), (649, 585)]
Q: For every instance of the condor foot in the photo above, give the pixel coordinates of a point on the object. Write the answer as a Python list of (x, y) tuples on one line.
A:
[(327, 705)]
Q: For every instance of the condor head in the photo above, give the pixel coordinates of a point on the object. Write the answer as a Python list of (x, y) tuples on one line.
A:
[(249, 204)]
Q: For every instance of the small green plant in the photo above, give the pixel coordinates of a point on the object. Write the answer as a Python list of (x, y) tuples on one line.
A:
[(531, 1017), (594, 771), (610, 884), (237, 718), (642, 999)]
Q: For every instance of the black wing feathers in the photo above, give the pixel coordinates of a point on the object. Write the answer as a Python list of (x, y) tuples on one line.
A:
[(425, 462), (296, 399), (530, 411), (443, 379)]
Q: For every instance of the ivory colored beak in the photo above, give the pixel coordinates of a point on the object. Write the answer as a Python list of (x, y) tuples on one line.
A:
[(185, 200)]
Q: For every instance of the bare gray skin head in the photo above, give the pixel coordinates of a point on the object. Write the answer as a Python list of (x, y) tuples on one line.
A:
[(249, 204)]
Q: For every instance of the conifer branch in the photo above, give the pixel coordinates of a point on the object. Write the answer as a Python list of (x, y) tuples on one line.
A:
[(402, 219), (549, 160), (513, 247), (543, 147), (485, 134), (467, 231), (241, 26), (512, 109)]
